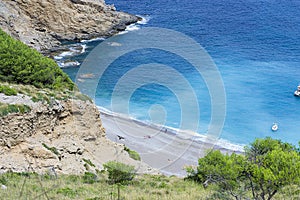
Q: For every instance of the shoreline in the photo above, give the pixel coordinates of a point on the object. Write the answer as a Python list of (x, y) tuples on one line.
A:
[(64, 54), (164, 148)]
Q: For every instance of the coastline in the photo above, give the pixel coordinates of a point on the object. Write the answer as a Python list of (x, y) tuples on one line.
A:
[(61, 21), (164, 148)]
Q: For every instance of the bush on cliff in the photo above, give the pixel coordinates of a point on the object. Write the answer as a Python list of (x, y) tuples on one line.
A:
[(7, 90), (6, 109), (23, 65)]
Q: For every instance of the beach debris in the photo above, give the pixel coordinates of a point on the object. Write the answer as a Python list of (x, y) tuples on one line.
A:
[(120, 137), (147, 137), (3, 187), (163, 129)]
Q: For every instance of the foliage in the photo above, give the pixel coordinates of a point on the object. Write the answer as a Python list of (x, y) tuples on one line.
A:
[(267, 166), (52, 149), (67, 192), (141, 188), (6, 109), (132, 154), (271, 165), (89, 162), (119, 172), (3, 180), (21, 64), (89, 178), (45, 94), (7, 90)]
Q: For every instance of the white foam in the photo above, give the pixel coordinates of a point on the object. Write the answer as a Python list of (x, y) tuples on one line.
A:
[(75, 49), (66, 53), (122, 32), (72, 51), (132, 27), (84, 47), (58, 57), (145, 20), (136, 26), (93, 40)]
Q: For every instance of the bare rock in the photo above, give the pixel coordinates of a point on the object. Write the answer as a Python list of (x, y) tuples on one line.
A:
[(43, 24), (3, 187), (62, 136)]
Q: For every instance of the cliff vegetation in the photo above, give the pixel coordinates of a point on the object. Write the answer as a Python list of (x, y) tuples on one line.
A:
[(23, 65)]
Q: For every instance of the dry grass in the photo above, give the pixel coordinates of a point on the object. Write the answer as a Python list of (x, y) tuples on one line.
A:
[(45, 94), (34, 186), (145, 187)]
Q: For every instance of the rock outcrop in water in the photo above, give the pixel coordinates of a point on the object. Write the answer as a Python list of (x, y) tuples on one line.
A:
[(44, 24)]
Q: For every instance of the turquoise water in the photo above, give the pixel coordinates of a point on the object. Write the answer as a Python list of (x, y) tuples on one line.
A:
[(256, 47)]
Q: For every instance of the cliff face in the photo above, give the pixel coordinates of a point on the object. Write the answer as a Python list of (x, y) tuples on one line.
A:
[(61, 136), (43, 24), (66, 135)]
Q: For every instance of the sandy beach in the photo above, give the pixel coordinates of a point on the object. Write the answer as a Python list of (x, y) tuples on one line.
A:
[(166, 149)]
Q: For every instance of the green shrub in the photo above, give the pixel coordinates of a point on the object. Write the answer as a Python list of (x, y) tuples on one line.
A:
[(68, 192), (7, 90), (40, 97), (132, 154), (3, 180), (72, 178), (21, 64), (52, 149), (267, 167), (119, 172), (24, 109), (89, 162), (89, 178), (6, 109)]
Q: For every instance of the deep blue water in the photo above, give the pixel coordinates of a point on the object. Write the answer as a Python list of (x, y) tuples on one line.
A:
[(256, 47)]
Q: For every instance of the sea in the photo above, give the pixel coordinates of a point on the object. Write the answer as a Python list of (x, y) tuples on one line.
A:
[(254, 44)]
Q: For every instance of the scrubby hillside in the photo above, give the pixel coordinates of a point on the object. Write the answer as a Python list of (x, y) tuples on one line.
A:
[(23, 65), (60, 134), (44, 123)]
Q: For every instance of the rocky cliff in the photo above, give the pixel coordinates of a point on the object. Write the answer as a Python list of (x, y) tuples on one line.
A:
[(66, 136), (43, 24)]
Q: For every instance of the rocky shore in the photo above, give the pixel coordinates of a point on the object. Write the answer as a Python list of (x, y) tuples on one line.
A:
[(65, 136), (43, 25)]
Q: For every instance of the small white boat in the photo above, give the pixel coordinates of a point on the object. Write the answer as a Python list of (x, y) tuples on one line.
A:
[(297, 92), (274, 127)]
